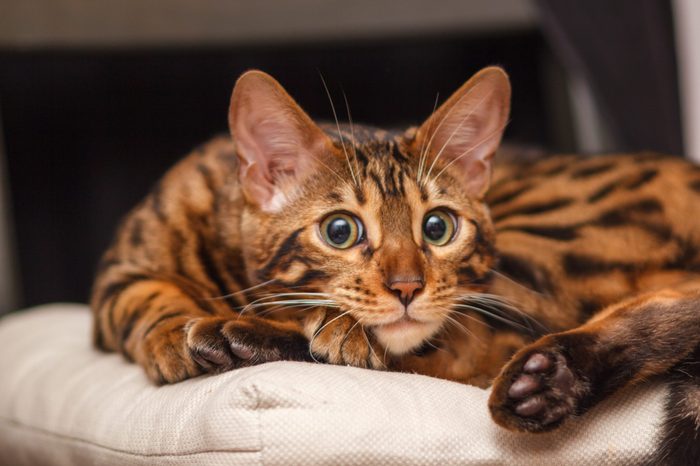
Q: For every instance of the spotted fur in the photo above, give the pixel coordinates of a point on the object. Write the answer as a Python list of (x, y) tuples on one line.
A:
[(566, 280)]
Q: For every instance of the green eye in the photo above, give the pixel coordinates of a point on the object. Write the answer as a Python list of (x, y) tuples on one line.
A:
[(341, 230), (438, 227)]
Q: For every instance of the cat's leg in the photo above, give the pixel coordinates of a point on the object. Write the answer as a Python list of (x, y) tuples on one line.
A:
[(166, 326), (337, 338), (566, 373), (679, 444)]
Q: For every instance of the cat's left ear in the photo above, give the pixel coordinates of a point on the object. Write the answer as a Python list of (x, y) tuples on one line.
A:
[(466, 130), (277, 143)]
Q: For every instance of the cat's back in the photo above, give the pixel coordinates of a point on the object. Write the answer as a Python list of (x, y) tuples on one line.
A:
[(586, 231), (605, 191), (192, 209)]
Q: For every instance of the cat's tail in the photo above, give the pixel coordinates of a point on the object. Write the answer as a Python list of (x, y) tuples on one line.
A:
[(680, 441)]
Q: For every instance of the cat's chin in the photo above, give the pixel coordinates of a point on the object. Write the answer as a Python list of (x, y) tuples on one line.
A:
[(404, 335)]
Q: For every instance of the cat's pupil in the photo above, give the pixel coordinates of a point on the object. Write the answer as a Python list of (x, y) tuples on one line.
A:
[(434, 228), (339, 230)]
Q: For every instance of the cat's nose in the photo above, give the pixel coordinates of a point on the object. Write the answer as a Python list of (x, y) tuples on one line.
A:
[(406, 290)]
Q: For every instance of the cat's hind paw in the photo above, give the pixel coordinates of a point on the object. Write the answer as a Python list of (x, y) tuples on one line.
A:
[(537, 391)]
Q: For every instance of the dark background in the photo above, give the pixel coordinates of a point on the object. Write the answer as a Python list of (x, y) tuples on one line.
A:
[(88, 130)]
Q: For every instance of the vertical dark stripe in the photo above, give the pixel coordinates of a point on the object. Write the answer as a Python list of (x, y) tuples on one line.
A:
[(207, 177), (286, 248), (136, 233), (359, 195), (136, 314), (176, 249), (378, 182), (213, 274)]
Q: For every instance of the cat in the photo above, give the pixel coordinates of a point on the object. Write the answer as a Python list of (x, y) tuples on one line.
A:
[(558, 280)]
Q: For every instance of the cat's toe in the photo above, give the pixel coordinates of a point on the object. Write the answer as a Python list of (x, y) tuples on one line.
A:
[(357, 351), (536, 392), (341, 340), (524, 386), (211, 349), (220, 344)]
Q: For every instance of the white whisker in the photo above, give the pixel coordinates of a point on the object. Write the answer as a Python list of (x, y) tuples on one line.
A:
[(459, 126), (492, 315), (230, 295), (423, 146), (317, 332), (340, 134), (429, 343), (444, 118), (347, 334), (340, 178), (287, 308), (263, 301), (488, 136), (371, 348), (352, 135), (520, 285), (462, 327)]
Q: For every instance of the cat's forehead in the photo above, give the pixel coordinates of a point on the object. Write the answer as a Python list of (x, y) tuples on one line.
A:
[(372, 148), (360, 135), (385, 170)]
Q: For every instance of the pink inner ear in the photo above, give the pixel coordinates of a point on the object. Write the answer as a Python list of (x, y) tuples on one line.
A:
[(467, 129), (280, 148), (467, 125), (275, 139)]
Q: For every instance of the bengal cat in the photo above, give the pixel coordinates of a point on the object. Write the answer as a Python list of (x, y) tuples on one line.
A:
[(354, 245)]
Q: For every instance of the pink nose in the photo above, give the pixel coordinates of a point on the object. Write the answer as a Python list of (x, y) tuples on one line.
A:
[(406, 291)]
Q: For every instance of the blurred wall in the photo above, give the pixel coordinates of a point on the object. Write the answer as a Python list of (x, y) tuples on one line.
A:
[(687, 18), (8, 265), (120, 23), (100, 98)]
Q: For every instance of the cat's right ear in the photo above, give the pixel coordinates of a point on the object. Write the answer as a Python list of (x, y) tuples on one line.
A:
[(466, 130), (277, 143)]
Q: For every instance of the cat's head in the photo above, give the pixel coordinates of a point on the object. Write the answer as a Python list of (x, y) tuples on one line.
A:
[(390, 228)]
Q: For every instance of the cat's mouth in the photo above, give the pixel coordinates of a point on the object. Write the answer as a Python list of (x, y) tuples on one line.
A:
[(401, 324), (404, 334)]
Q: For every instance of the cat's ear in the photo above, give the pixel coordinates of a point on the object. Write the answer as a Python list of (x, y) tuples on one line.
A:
[(466, 130), (276, 141)]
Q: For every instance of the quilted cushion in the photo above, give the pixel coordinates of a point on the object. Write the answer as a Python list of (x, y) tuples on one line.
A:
[(61, 402)]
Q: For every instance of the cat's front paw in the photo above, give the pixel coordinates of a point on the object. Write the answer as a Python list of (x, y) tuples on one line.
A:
[(221, 344), (538, 389), (339, 339)]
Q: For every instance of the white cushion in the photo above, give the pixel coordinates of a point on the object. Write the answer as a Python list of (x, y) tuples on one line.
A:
[(62, 402)]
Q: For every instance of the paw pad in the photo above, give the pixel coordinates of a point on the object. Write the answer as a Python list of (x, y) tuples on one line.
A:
[(538, 396)]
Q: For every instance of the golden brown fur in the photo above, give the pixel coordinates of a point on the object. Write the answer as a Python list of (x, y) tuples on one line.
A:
[(222, 265)]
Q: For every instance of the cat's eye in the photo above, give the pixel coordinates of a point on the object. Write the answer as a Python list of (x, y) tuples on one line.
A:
[(438, 227), (342, 230)]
